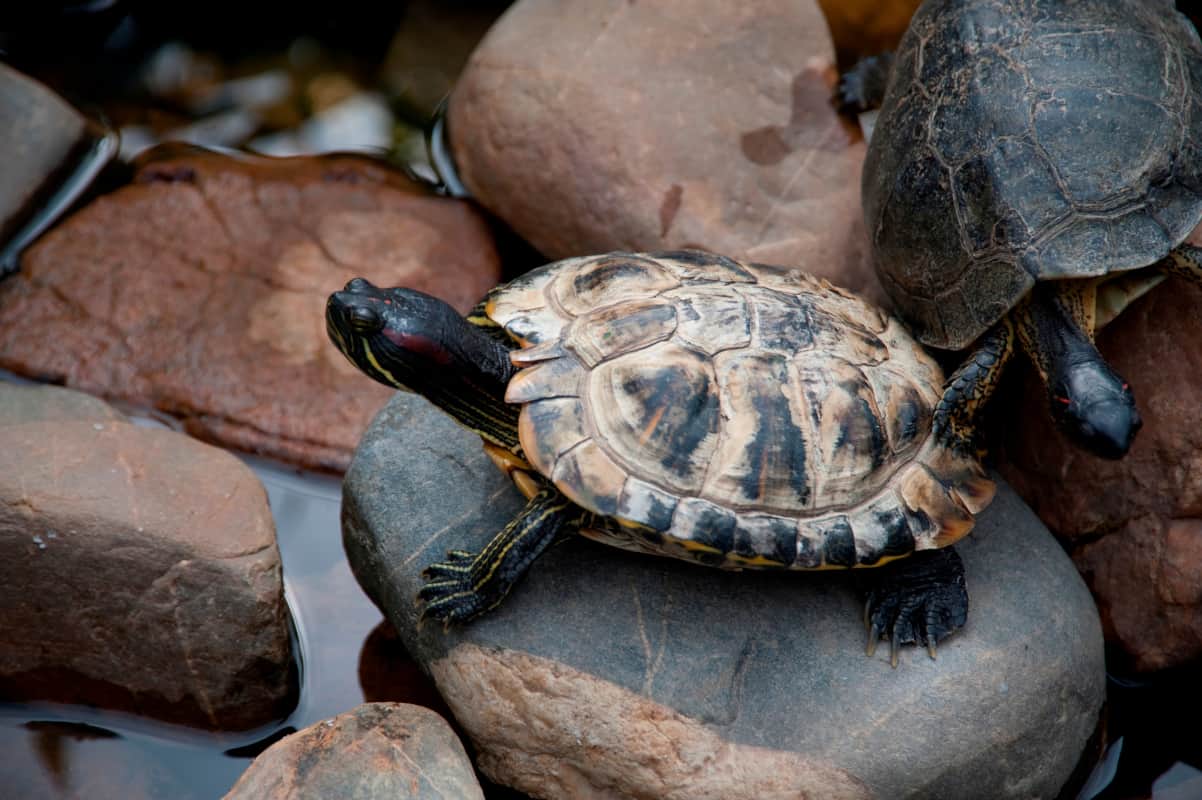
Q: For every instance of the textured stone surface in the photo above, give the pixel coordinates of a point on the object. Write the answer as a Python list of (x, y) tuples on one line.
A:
[(1134, 526), (592, 126), (610, 674), (200, 289), (138, 571), (377, 750)]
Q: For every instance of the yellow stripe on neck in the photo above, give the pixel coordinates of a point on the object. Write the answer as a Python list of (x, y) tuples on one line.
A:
[(371, 357)]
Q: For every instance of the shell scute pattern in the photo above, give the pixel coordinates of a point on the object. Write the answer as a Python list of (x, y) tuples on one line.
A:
[(735, 414), (1039, 140)]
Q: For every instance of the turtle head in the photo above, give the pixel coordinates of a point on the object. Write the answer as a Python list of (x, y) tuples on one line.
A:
[(1095, 408), (393, 335)]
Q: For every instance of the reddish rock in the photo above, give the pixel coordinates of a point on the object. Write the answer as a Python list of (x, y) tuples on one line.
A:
[(20, 403), (384, 750), (138, 571), (200, 290), (592, 126), (1132, 525)]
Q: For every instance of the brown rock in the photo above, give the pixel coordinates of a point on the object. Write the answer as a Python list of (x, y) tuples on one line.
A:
[(1130, 524), (625, 745), (377, 750), (200, 289), (138, 571), (34, 403), (593, 126)]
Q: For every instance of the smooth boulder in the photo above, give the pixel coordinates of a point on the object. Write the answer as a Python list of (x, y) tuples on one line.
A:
[(138, 569), (375, 750), (598, 125), (621, 675)]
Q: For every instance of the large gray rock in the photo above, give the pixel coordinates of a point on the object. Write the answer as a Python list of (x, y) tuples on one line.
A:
[(610, 674)]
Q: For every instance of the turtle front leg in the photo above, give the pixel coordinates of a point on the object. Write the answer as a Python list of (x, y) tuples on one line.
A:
[(970, 387), (466, 585), (921, 599)]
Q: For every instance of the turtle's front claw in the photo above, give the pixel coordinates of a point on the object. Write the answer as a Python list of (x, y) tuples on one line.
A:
[(449, 594), (919, 602)]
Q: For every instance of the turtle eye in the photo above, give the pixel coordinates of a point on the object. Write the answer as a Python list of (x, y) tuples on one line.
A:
[(365, 320)]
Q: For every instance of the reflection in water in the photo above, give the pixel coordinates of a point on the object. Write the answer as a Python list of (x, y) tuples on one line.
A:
[(50, 740)]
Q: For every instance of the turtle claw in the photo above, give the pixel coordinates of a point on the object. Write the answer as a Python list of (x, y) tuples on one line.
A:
[(920, 603), (449, 595), (874, 636)]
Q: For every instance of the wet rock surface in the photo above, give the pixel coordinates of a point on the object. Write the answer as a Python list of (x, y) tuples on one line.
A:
[(49, 149), (138, 569), (614, 674), (199, 290), (1134, 527), (377, 750), (595, 126)]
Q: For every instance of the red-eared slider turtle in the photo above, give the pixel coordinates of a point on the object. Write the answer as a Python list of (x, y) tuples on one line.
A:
[(1028, 156), (684, 404)]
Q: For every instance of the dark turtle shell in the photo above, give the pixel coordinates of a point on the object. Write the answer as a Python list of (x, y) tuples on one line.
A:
[(736, 414), (1026, 141)]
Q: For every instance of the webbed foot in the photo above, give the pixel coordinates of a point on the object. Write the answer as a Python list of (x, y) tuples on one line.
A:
[(466, 585), (919, 600)]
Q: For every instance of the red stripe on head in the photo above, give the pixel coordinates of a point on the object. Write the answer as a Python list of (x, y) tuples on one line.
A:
[(418, 345)]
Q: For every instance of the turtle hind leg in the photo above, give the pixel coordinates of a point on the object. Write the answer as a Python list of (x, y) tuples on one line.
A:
[(466, 585), (862, 88), (918, 600), (1185, 260)]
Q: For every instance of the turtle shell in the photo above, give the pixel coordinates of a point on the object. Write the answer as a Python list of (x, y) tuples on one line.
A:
[(736, 414), (1028, 141)]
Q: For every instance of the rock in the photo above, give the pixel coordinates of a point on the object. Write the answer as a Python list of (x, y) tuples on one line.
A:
[(593, 126), (20, 404), (200, 290), (430, 47), (51, 154), (138, 571), (377, 750), (1132, 526), (611, 674)]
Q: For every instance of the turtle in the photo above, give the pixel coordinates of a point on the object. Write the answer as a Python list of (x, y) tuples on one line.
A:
[(1035, 167), (685, 404)]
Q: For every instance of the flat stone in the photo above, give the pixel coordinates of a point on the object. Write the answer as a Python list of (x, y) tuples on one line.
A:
[(610, 674), (376, 750), (597, 125), (200, 290), (1133, 526), (138, 571)]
